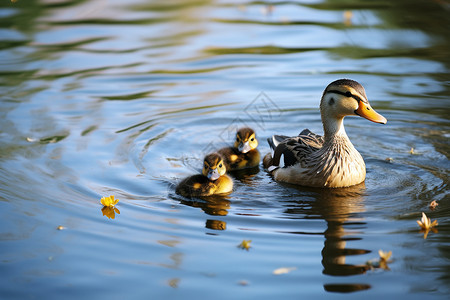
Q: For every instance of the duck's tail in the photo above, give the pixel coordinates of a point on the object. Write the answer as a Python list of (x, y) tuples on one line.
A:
[(268, 161)]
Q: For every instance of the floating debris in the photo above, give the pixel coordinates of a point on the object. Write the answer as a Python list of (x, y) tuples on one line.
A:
[(384, 255), (245, 244), (389, 160), (348, 17), (267, 10), (412, 151), (242, 8), (243, 282), (384, 259), (425, 222), (381, 262), (109, 201), (280, 271), (426, 225), (433, 204), (60, 227), (174, 282)]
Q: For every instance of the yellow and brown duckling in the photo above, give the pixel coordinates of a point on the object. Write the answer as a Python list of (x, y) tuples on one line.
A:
[(243, 154), (212, 181), (330, 160)]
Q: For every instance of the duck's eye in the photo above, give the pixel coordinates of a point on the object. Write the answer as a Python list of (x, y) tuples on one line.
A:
[(220, 165), (348, 94), (252, 139)]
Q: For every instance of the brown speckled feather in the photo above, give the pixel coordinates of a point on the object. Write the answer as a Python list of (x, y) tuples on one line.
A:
[(297, 149)]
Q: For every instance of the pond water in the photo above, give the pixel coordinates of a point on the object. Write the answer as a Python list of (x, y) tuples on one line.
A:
[(125, 98)]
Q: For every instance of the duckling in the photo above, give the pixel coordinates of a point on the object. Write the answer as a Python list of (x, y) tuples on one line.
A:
[(243, 154), (330, 160), (212, 181)]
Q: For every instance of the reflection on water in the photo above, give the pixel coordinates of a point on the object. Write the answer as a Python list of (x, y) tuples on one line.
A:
[(215, 206), (112, 97), (340, 208), (218, 205), (110, 212)]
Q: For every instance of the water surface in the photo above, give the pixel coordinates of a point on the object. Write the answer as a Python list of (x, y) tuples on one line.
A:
[(106, 98)]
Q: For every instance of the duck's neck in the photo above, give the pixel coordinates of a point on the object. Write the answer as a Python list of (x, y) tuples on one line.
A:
[(334, 129)]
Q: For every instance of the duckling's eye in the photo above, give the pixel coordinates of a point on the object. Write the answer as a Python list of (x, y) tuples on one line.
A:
[(220, 166), (252, 139), (348, 94)]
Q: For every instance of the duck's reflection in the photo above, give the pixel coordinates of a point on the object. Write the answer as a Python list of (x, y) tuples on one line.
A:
[(215, 205), (340, 209), (218, 205)]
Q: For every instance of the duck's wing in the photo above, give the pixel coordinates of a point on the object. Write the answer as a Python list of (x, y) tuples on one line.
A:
[(275, 140), (314, 140), (288, 151)]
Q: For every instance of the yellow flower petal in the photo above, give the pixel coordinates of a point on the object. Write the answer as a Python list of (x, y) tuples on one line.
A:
[(109, 201), (245, 244), (420, 224), (384, 255), (426, 225)]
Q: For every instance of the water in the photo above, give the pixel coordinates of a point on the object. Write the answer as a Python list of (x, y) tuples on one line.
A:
[(106, 98)]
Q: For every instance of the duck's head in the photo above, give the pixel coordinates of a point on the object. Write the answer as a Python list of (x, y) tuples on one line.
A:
[(213, 166), (345, 97), (245, 140)]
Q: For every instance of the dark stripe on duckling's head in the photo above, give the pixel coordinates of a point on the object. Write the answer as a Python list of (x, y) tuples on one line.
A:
[(246, 140), (213, 166)]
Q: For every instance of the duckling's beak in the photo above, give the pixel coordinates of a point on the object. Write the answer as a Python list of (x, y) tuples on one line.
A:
[(213, 174), (244, 147), (366, 111)]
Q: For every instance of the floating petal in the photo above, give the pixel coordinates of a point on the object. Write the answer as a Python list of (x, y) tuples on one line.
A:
[(384, 255), (109, 201), (280, 271), (245, 244)]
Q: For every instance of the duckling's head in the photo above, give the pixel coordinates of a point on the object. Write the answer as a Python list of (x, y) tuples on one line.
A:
[(213, 166), (245, 140), (346, 97)]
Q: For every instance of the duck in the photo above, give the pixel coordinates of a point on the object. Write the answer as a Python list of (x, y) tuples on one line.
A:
[(243, 154), (328, 160), (212, 181)]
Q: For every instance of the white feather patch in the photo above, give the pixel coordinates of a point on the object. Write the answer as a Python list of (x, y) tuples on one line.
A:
[(275, 141), (281, 165), (271, 168)]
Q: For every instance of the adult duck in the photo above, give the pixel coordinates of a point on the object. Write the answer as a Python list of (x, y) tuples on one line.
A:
[(330, 160)]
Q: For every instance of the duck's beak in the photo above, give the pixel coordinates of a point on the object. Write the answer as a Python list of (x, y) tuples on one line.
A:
[(366, 111), (244, 147), (213, 174)]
